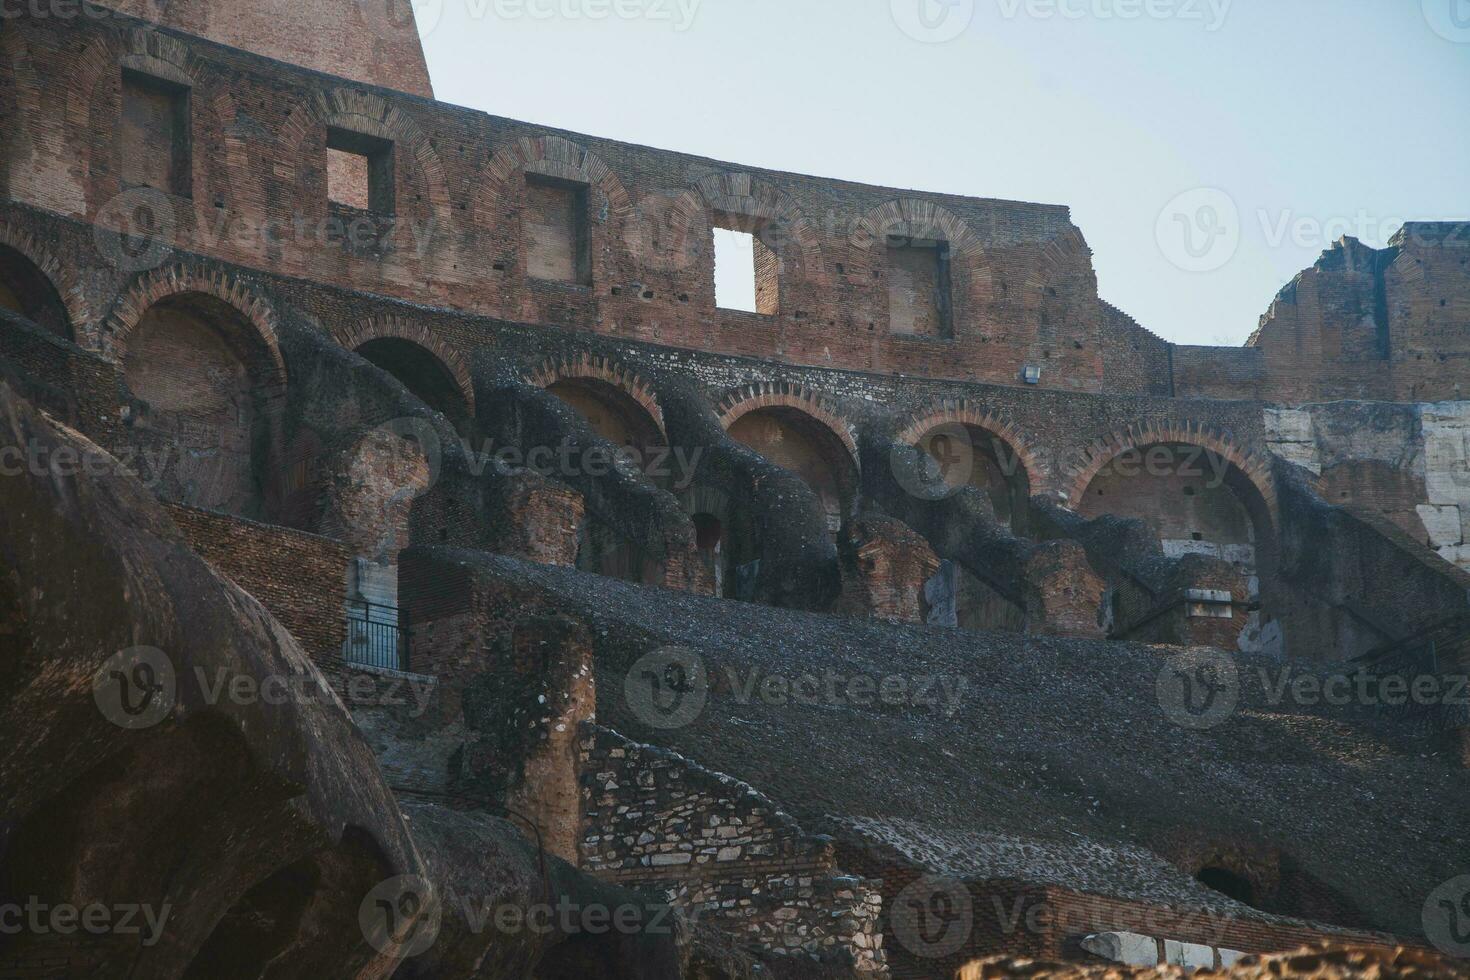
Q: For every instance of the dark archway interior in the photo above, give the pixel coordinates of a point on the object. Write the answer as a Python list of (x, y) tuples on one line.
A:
[(200, 377), (24, 289), (1227, 883), (422, 373)]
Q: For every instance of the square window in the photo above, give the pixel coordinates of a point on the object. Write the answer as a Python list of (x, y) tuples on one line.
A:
[(360, 171), (747, 270), (919, 301), (558, 241), (155, 134)]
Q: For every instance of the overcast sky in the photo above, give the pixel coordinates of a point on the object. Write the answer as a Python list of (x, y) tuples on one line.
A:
[(1208, 149)]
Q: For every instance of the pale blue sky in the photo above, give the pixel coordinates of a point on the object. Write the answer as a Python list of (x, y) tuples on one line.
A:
[(1307, 114)]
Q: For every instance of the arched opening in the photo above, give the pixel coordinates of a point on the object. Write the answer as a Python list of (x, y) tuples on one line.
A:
[(1193, 499), (203, 385), (1227, 883), (969, 455), (620, 419), (709, 541), (25, 291), (421, 372), (796, 441)]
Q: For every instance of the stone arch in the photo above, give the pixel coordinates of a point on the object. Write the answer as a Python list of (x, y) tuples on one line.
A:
[(371, 115), (602, 372), (548, 156), (911, 217), (803, 435), (772, 214), (34, 279), (500, 212), (93, 107), (159, 285), (450, 363), (203, 388), (924, 225), (1015, 449), (1256, 469)]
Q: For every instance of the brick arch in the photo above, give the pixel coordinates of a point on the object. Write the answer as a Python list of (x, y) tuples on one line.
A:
[(548, 156), (914, 218), (61, 278), (401, 328), (1256, 469), (92, 108), (161, 284), (749, 196), (968, 414), (363, 112), (740, 403), (589, 367)]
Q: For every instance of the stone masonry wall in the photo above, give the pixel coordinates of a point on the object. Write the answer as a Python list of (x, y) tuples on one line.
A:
[(717, 848)]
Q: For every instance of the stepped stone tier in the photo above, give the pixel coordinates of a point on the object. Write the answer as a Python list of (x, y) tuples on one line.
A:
[(413, 567)]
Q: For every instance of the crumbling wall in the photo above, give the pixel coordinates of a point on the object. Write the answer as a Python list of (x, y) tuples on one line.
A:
[(721, 851)]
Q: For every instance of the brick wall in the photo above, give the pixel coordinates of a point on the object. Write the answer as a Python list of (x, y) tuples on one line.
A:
[(720, 850), (301, 579)]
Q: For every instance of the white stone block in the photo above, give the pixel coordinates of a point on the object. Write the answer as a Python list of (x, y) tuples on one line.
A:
[(1288, 425), (1442, 522), (1124, 947), (1228, 957), (1191, 956)]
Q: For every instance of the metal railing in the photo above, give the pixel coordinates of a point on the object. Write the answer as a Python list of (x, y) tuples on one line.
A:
[(377, 636)]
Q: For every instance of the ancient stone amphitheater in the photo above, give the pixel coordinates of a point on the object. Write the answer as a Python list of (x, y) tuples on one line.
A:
[(411, 569)]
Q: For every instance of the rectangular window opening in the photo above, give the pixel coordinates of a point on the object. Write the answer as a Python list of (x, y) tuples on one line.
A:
[(558, 239), (747, 270), (156, 134), (919, 299), (360, 171)]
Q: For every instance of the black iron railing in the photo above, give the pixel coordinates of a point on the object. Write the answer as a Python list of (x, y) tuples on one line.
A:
[(376, 636)]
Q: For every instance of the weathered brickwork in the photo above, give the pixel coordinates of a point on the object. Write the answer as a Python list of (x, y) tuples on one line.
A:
[(720, 849), (301, 579)]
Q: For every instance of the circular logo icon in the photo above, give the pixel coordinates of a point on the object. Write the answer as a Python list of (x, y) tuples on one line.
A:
[(1199, 688), (1450, 19), (134, 231), (933, 21), (943, 462), (401, 916), (1447, 917), (667, 688), (419, 432), (136, 688), (1199, 230), (933, 917), (404, 15)]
